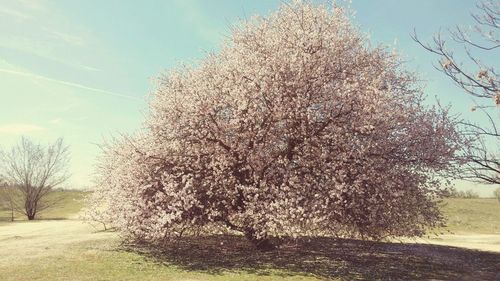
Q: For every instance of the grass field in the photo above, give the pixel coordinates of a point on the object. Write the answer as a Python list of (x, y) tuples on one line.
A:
[(67, 205), (473, 215), (59, 247)]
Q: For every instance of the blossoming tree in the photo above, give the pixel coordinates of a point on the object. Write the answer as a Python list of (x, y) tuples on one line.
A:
[(297, 126)]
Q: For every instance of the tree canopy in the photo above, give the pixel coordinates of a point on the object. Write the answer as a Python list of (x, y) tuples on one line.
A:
[(296, 126)]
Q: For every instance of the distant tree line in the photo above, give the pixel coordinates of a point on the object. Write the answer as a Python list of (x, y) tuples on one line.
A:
[(470, 194), (467, 194)]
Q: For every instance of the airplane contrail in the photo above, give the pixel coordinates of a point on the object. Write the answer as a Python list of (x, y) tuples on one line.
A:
[(71, 84)]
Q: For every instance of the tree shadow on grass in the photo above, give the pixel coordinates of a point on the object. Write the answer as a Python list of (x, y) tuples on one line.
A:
[(327, 258)]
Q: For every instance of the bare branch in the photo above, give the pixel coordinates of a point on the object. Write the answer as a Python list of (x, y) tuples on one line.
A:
[(481, 154)]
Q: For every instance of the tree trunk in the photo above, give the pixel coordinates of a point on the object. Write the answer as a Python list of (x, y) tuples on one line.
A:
[(31, 217), (262, 244)]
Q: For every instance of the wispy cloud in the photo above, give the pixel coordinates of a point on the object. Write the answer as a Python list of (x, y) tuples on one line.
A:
[(42, 29), (14, 13), (89, 68), (19, 128), (42, 49), (33, 5), (65, 37), (66, 83), (68, 38)]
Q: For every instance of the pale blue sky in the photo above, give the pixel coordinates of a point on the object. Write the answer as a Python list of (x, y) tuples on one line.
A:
[(81, 69)]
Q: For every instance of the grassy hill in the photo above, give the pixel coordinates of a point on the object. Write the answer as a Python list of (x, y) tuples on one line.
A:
[(68, 204), (472, 215)]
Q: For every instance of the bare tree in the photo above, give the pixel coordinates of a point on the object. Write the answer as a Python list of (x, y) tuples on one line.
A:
[(35, 170), (7, 198), (496, 193), (480, 80)]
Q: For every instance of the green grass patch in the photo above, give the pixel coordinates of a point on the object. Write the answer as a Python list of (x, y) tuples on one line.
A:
[(68, 204), (472, 215)]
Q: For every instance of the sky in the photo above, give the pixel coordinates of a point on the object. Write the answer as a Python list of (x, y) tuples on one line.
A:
[(83, 70)]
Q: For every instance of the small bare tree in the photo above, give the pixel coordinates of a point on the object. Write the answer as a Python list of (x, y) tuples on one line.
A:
[(7, 198), (497, 193), (480, 80), (35, 170)]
